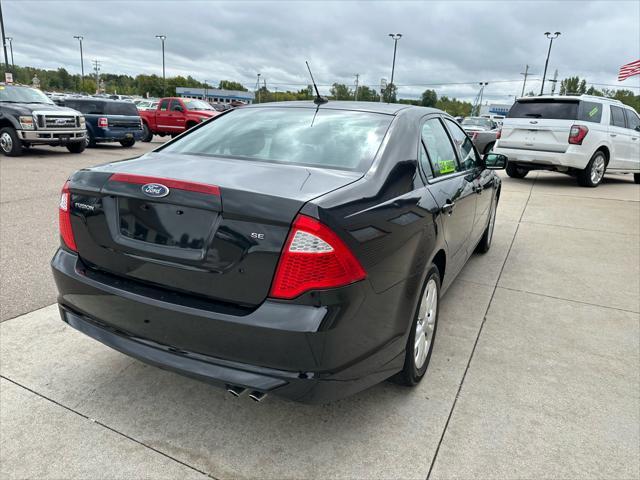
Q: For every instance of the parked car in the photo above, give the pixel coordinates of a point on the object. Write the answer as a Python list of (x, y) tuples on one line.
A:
[(584, 136), (109, 120), (287, 248), (28, 117), (147, 105), (483, 132), (174, 115)]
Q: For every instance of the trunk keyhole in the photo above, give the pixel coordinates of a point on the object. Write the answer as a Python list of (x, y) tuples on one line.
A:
[(179, 212)]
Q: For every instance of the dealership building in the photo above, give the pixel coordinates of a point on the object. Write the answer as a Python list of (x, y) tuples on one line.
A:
[(215, 95)]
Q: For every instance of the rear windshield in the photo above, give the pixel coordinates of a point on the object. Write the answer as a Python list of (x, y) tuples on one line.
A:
[(327, 138), (556, 109), (120, 108)]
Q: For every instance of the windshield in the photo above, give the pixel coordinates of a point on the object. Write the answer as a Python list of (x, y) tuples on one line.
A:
[(9, 93), (477, 122), (197, 105), (556, 109), (337, 139)]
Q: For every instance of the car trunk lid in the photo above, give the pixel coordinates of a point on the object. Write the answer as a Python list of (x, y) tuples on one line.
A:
[(219, 237)]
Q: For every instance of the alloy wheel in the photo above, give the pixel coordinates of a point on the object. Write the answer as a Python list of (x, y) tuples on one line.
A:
[(597, 169), (425, 325), (6, 142)]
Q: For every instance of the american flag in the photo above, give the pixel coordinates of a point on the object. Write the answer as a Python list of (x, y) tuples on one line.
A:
[(629, 70)]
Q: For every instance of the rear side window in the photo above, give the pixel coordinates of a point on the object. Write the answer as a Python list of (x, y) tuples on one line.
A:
[(325, 138), (121, 108), (87, 108), (554, 109), (590, 112), (439, 147), (632, 119), (617, 117), (164, 105)]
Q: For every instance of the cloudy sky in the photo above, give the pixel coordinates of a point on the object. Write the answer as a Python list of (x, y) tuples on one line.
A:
[(449, 46)]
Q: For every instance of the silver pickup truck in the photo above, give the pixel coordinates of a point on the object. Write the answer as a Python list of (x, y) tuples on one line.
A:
[(483, 132)]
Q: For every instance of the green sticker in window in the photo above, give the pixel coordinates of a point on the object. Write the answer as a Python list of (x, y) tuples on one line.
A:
[(593, 111), (447, 166)]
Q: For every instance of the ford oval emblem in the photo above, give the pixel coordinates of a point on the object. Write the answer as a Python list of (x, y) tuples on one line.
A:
[(156, 190)]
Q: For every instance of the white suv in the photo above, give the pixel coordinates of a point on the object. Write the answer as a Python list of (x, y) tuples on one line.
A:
[(580, 135)]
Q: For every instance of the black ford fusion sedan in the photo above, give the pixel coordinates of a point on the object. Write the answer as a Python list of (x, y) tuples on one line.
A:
[(290, 248)]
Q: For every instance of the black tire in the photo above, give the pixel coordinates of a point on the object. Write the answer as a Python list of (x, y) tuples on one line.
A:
[(636, 177), (147, 134), (411, 374), (128, 142), (76, 147), (594, 172), (89, 140), (514, 171), (190, 125), (489, 147), (10, 144), (487, 236)]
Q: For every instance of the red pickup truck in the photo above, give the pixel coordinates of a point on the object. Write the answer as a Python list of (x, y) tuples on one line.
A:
[(173, 116)]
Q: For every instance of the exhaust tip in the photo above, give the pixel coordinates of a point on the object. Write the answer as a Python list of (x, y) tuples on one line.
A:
[(257, 396), (235, 391)]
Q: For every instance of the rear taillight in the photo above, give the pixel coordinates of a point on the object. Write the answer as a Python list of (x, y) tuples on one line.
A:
[(65, 218), (103, 122), (498, 133), (577, 134), (314, 257)]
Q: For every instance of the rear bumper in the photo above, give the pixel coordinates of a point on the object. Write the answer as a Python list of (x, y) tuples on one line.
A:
[(116, 135), (300, 352), (52, 137), (571, 158)]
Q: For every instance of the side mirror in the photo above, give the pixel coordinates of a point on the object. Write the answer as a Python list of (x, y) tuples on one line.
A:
[(495, 161)]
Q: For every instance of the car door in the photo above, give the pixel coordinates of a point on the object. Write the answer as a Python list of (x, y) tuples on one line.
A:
[(162, 116), (482, 180), (176, 115), (620, 139), (633, 126), (451, 189)]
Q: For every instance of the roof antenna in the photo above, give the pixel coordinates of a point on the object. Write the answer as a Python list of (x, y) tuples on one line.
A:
[(319, 100)]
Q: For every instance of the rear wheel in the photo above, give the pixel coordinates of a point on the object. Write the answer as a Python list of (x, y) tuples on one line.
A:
[(10, 143), (636, 177), (77, 147), (128, 142), (147, 135), (485, 241), (89, 140), (593, 174), (423, 332), (514, 171)]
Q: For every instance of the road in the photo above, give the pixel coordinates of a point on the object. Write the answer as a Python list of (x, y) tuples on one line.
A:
[(534, 372)]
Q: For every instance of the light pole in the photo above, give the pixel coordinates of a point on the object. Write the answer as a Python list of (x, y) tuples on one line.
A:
[(258, 87), (13, 65), (546, 64), (395, 37), (164, 80), (80, 38), (4, 41)]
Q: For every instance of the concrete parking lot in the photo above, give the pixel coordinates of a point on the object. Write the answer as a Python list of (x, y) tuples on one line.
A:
[(534, 374)]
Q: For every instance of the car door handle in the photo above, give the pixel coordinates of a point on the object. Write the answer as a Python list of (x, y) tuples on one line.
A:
[(478, 189), (613, 135), (448, 207), (634, 138)]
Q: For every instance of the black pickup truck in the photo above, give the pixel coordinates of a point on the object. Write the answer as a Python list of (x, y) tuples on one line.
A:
[(28, 117)]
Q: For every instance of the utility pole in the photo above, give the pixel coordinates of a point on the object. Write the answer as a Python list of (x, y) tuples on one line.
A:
[(555, 82), (80, 38), (356, 94), (526, 74), (546, 64), (96, 68), (164, 79), (258, 87), (4, 40), (395, 37)]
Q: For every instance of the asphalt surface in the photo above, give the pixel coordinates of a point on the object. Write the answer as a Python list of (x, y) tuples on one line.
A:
[(534, 373)]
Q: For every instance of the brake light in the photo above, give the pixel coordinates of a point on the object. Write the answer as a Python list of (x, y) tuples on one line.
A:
[(498, 133), (577, 134), (103, 122), (314, 257), (65, 218)]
